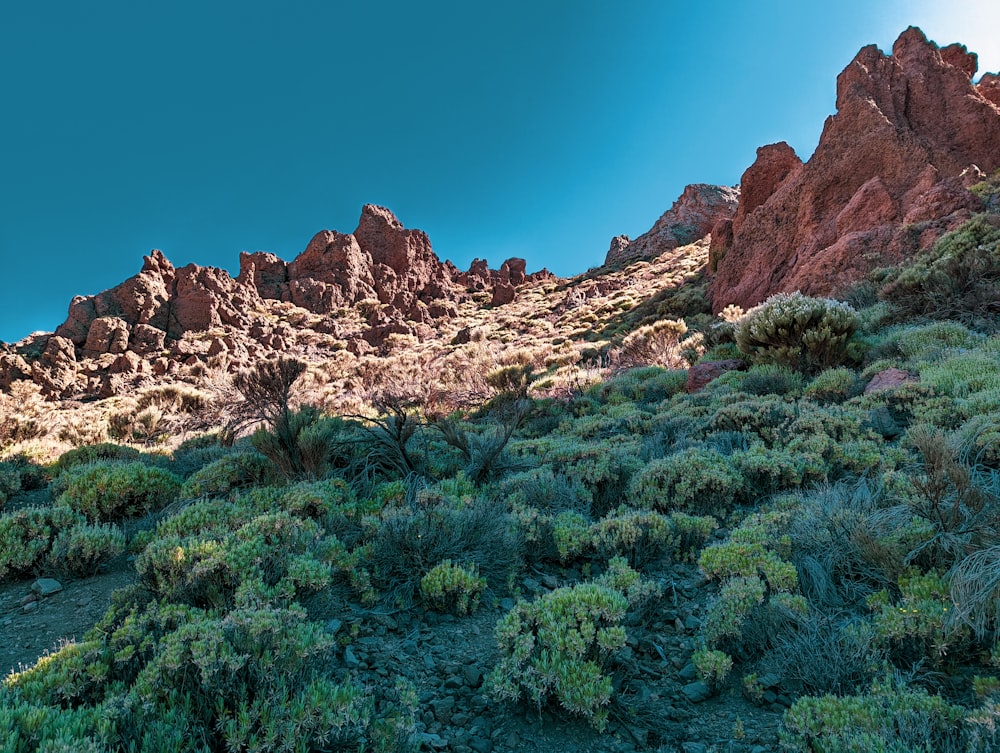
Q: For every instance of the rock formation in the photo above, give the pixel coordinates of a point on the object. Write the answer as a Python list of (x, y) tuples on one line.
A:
[(889, 176), (691, 218), (186, 315)]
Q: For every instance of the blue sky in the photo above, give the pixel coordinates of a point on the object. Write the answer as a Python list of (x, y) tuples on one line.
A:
[(537, 129)]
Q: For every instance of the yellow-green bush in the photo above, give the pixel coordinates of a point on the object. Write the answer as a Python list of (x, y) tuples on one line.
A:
[(237, 470), (558, 646), (803, 333), (26, 536), (957, 278), (272, 558), (919, 625), (82, 549), (452, 588), (889, 718), (110, 492), (700, 481)]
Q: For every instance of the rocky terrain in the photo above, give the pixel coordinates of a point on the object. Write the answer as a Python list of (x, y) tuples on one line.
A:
[(464, 504), (890, 175)]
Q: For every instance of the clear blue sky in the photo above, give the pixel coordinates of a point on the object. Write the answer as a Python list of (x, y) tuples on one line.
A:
[(537, 129)]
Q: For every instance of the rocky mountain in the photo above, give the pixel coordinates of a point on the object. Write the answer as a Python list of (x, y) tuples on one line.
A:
[(698, 209), (890, 175), (165, 317)]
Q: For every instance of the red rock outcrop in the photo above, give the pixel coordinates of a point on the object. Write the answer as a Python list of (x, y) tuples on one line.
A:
[(691, 217), (888, 178)]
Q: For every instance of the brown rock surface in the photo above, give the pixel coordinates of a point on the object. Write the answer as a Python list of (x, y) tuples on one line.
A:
[(702, 373), (890, 379), (691, 217), (907, 125)]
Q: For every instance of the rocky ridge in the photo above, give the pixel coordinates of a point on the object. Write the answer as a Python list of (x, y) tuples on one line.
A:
[(697, 210), (165, 317), (890, 175)]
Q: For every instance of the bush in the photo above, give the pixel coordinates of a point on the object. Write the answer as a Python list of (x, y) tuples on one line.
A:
[(559, 645), (833, 386), (181, 679), (654, 345), (82, 549), (409, 543), (956, 279), (10, 481), (697, 481), (918, 627), (770, 379), (237, 470), (105, 452), (452, 588), (890, 718), (642, 536), (802, 333), (272, 558), (26, 537), (110, 492)]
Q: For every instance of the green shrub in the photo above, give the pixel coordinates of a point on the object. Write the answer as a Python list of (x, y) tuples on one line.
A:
[(237, 470), (919, 626), (97, 453), (452, 588), (183, 679), (571, 535), (713, 666), (890, 718), (26, 537), (302, 444), (558, 647), (82, 549), (642, 536), (957, 278), (833, 386), (644, 386), (273, 558), (802, 333), (655, 344), (10, 481), (770, 379), (697, 480), (110, 492), (409, 543)]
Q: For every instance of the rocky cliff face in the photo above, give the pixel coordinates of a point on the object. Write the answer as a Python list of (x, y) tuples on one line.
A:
[(165, 316), (698, 209), (890, 175)]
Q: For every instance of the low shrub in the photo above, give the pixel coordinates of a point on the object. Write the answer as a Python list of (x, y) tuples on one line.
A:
[(833, 385), (26, 537), (890, 717), (408, 543), (104, 452), (108, 492), (643, 536), (699, 481), (273, 558), (82, 549), (918, 627), (236, 470), (558, 646), (957, 278), (655, 344), (10, 481), (802, 333), (452, 588)]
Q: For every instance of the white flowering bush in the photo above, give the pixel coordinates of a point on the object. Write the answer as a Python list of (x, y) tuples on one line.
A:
[(803, 333)]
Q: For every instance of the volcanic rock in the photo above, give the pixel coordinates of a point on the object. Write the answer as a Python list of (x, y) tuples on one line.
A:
[(107, 334), (907, 125), (691, 218)]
